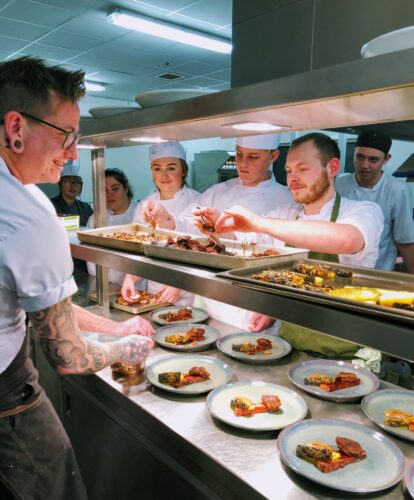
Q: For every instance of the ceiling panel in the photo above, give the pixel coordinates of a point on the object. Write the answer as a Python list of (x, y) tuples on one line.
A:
[(67, 40), (201, 82), (217, 12), (90, 24), (145, 42), (19, 29), (224, 74), (194, 68), (73, 5), (11, 44), (38, 13), (172, 5), (50, 52)]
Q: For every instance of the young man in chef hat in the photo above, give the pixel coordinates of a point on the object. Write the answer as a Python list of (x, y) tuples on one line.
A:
[(256, 189)]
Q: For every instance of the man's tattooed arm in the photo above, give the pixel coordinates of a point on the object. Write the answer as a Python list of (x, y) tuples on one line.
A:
[(70, 353)]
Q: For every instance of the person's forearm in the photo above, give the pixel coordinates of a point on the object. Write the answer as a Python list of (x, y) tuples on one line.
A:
[(317, 236), (407, 254), (93, 323), (68, 351)]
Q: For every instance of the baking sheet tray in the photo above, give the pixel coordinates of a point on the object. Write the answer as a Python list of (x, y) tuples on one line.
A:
[(133, 308), (219, 261), (363, 277)]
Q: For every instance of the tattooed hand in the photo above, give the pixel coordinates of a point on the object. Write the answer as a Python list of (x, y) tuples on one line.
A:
[(135, 349)]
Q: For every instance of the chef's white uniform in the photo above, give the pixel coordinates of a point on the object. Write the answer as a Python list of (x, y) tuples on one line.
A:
[(113, 220), (175, 206), (393, 196), (260, 199)]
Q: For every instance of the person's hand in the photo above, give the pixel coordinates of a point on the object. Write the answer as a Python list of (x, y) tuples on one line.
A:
[(168, 294), (238, 219), (258, 322), (134, 349), (128, 288), (153, 211), (203, 216), (136, 325)]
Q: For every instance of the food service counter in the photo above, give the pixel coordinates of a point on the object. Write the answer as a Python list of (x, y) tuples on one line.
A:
[(217, 460)]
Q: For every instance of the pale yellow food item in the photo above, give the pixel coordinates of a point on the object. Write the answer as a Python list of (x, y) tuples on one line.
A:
[(360, 294), (390, 297)]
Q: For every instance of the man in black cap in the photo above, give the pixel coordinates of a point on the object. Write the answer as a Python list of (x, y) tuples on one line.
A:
[(370, 183)]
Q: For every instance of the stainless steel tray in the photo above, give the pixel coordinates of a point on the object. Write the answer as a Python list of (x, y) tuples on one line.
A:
[(364, 277), (219, 261)]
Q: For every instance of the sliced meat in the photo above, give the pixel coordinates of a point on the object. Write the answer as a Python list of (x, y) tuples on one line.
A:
[(327, 467), (272, 403), (199, 371), (350, 448)]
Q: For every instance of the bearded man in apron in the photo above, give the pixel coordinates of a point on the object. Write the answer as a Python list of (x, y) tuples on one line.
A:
[(334, 229)]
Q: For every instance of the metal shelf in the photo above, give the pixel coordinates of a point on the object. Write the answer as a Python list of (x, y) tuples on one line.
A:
[(393, 337)]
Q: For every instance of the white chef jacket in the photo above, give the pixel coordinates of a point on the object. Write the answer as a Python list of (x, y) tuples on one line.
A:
[(175, 206), (364, 215), (261, 198), (35, 262), (394, 198), (113, 220)]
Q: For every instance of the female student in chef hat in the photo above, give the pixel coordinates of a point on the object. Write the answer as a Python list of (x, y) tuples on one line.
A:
[(169, 171)]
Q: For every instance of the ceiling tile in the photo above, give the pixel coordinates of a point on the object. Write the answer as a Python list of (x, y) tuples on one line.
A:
[(144, 42), (61, 38), (74, 5), (4, 55), (217, 12), (93, 26), (219, 60), (224, 74), (171, 5), (33, 12), (201, 82), (18, 29), (111, 64), (11, 44), (50, 52), (112, 77), (221, 86), (194, 68)]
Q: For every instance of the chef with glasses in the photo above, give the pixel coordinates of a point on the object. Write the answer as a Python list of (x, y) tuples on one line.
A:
[(70, 187)]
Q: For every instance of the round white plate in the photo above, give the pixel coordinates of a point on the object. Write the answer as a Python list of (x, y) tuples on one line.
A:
[(293, 407), (409, 478), (382, 468), (220, 373), (390, 42), (375, 404), (279, 347), (211, 335), (199, 315), (110, 111), (158, 97), (369, 382)]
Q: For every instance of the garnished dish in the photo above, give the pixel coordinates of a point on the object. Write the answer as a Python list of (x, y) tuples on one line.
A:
[(189, 243), (262, 345), (141, 298), (192, 335), (180, 379), (326, 458), (341, 454), (342, 380), (256, 406), (191, 374), (244, 407), (182, 314), (392, 410), (138, 236), (333, 380)]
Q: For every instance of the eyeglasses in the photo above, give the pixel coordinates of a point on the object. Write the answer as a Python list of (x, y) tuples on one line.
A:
[(71, 137), (68, 182)]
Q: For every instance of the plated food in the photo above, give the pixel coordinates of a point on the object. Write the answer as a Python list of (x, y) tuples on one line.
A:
[(172, 373), (142, 298), (373, 462), (344, 388), (254, 348), (178, 315), (187, 338), (256, 406), (392, 410)]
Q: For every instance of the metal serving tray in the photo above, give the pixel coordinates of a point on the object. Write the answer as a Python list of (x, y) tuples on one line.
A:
[(219, 261), (363, 277)]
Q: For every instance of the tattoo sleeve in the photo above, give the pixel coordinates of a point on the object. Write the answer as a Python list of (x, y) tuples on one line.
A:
[(70, 353)]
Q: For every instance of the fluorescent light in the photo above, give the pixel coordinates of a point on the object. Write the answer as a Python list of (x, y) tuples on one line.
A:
[(256, 126), (147, 139), (155, 27), (95, 87), (88, 146)]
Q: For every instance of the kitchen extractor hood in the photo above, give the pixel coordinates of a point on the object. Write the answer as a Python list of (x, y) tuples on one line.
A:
[(379, 91), (406, 169)]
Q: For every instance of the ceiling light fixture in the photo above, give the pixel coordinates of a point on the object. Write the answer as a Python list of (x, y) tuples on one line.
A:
[(88, 146), (256, 126), (94, 87), (155, 27), (147, 139)]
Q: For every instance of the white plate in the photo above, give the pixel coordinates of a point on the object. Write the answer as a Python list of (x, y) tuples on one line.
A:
[(375, 404), (382, 468), (199, 315), (409, 478), (279, 348), (158, 97), (111, 111), (210, 334), (390, 42), (292, 410), (369, 382), (220, 373)]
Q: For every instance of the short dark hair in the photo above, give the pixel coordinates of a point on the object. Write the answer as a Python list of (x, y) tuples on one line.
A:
[(184, 166), (27, 83), (327, 147), (120, 176)]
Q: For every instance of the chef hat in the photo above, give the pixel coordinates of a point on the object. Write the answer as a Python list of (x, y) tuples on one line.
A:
[(170, 149), (262, 141), (374, 139), (70, 169)]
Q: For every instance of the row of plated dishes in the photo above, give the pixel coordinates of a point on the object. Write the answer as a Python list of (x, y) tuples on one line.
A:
[(335, 453)]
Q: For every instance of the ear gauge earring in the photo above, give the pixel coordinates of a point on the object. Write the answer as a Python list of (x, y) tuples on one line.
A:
[(17, 146)]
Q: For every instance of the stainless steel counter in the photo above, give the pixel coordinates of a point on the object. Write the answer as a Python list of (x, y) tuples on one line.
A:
[(393, 337), (249, 459)]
